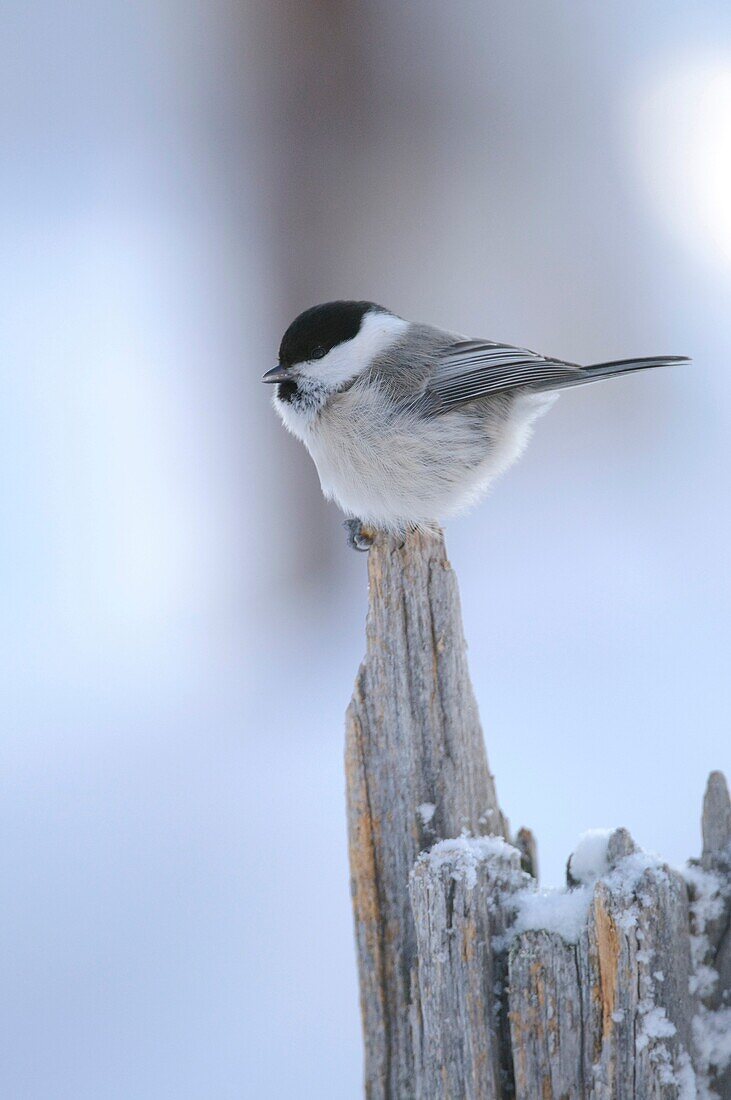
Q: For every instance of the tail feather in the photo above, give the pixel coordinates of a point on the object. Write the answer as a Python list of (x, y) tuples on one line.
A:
[(597, 371), (626, 366)]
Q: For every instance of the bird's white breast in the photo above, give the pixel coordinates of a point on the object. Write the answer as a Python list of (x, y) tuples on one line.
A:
[(396, 470)]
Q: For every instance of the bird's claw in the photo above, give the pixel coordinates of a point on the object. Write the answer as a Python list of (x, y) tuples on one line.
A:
[(360, 537)]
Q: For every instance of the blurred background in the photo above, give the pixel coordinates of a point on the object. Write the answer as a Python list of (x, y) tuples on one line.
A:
[(182, 618)]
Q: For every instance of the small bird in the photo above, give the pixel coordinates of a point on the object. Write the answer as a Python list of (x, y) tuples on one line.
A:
[(409, 424)]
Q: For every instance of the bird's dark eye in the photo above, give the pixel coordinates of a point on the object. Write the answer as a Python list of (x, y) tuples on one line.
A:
[(318, 353)]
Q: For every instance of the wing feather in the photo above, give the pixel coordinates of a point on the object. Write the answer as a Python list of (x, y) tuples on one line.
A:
[(472, 369)]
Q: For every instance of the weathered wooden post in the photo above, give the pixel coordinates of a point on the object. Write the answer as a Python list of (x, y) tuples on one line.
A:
[(416, 771), (473, 985)]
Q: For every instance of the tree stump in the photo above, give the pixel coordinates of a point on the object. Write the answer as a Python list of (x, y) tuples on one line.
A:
[(474, 984)]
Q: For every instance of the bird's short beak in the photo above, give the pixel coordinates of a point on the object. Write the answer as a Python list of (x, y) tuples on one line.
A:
[(276, 374)]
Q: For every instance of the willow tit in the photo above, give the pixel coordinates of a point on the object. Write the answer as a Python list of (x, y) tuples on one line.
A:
[(408, 424)]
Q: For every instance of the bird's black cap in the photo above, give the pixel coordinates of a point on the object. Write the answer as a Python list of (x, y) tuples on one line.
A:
[(324, 327)]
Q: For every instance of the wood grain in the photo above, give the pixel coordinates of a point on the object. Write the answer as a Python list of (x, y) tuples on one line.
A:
[(416, 771)]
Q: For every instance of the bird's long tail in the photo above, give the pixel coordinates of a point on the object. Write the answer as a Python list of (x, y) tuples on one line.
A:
[(597, 371), (626, 366)]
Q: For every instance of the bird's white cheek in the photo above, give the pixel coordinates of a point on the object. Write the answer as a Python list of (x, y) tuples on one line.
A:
[(340, 366)]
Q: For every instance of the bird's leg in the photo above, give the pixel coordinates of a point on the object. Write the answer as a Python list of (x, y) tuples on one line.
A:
[(360, 537)]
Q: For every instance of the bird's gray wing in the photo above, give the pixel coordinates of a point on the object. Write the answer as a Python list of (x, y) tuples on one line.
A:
[(470, 369)]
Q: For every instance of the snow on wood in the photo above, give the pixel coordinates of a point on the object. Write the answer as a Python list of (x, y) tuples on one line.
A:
[(460, 894), (709, 883), (592, 1012)]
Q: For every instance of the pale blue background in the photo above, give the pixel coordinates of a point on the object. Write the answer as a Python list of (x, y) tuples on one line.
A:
[(182, 621)]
